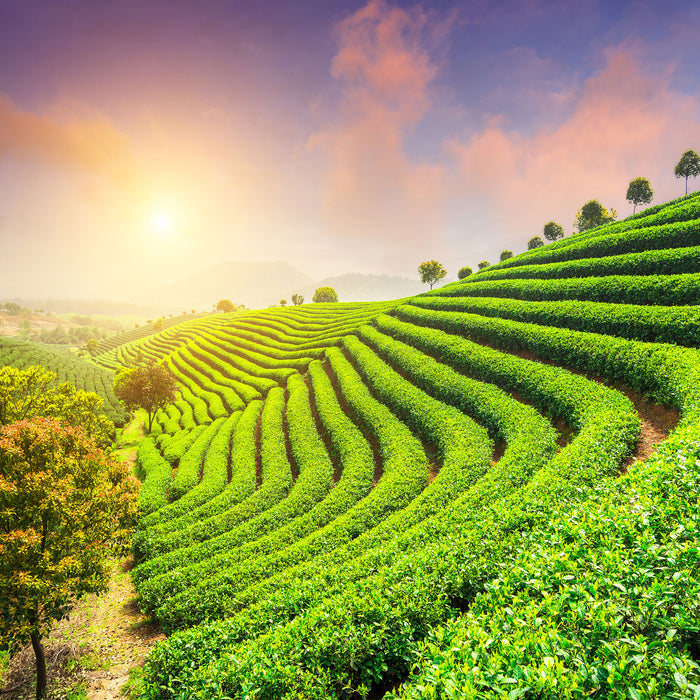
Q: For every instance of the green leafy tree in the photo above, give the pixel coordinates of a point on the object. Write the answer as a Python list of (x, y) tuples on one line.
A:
[(283, 302), (639, 192), (688, 166), (158, 325), (593, 214), (553, 231), (483, 264), (431, 272), (225, 306), (151, 387), (464, 272), (297, 299), (92, 345), (33, 392), (506, 254), (535, 242), (325, 295), (64, 507)]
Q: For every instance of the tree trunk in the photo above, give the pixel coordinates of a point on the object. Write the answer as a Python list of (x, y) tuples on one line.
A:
[(150, 420), (686, 184), (40, 667)]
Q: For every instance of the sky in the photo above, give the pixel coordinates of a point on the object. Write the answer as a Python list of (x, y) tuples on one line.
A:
[(142, 141)]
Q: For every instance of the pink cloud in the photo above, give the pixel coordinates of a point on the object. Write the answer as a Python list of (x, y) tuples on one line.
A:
[(372, 189), (625, 123), (86, 142)]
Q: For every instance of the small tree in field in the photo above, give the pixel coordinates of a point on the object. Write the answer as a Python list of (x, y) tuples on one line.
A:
[(506, 254), (688, 166), (535, 242), (225, 306), (483, 264), (639, 192), (431, 272), (297, 299), (325, 295), (64, 506), (464, 272), (151, 387), (283, 302), (553, 231)]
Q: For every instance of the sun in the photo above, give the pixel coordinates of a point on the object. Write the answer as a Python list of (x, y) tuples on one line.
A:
[(162, 222)]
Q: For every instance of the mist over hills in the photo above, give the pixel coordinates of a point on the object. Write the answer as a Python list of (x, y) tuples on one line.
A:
[(255, 284), (261, 284)]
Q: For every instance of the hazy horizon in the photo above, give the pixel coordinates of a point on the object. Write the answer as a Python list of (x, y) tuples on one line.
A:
[(142, 142)]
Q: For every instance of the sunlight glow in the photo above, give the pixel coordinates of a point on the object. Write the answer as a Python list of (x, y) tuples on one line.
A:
[(162, 221)]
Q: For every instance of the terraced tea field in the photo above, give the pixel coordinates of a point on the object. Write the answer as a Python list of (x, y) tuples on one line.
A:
[(68, 368), (444, 496)]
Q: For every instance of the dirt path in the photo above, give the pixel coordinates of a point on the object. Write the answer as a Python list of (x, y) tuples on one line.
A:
[(119, 635)]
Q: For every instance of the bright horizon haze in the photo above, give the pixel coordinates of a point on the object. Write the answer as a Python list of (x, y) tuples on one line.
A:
[(143, 141)]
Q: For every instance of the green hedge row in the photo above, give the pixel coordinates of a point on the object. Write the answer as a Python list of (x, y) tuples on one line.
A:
[(606, 241), (188, 471), (657, 324), (674, 261), (671, 290), (157, 477)]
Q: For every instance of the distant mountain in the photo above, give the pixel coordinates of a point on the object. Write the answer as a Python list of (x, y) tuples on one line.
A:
[(255, 284), (355, 286)]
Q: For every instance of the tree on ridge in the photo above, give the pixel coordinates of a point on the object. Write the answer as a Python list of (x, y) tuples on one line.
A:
[(639, 192), (688, 166), (431, 272)]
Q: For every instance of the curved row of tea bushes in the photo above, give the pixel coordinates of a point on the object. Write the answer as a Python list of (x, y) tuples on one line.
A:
[(530, 438), (674, 261), (215, 467), (157, 472), (249, 341), (247, 385), (658, 324), (287, 363), (188, 472), (212, 380), (601, 600), (190, 382), (181, 442), (189, 394), (675, 290), (208, 520)]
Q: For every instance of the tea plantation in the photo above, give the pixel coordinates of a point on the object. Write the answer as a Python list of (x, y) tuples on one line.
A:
[(436, 497)]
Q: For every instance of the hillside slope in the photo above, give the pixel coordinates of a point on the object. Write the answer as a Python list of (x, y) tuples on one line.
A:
[(440, 493)]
